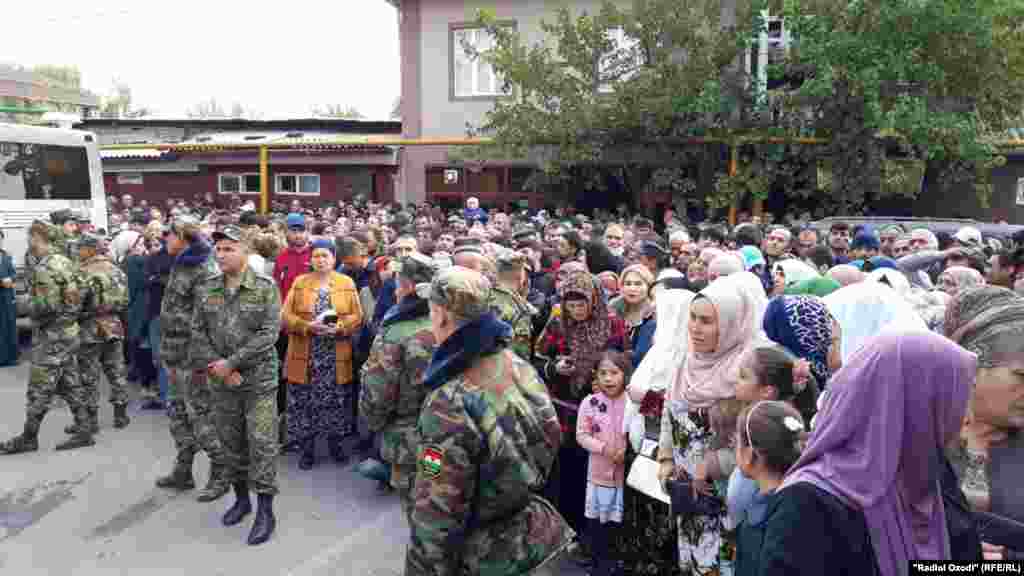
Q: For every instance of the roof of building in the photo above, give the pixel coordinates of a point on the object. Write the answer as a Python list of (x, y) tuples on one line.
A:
[(148, 153), (335, 125)]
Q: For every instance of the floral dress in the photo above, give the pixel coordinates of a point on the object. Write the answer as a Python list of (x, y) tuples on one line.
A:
[(703, 541), (321, 407)]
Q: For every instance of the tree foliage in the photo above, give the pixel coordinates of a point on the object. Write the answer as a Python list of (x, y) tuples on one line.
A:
[(211, 108), (892, 85), (61, 76)]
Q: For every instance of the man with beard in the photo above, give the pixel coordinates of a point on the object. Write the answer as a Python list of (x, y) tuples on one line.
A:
[(681, 250), (807, 240), (291, 263), (614, 239)]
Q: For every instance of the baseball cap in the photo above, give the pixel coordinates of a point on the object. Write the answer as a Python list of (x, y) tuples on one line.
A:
[(463, 292), (295, 220), (229, 232), (968, 235)]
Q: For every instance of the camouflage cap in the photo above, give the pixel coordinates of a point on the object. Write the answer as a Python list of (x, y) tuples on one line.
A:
[(419, 268), (229, 232), (510, 261), (463, 292), (61, 216), (88, 241)]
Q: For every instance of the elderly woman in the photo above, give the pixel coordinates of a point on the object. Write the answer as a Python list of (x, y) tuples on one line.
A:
[(989, 321), (636, 309), (956, 279), (724, 323), (321, 313), (488, 437), (566, 355)]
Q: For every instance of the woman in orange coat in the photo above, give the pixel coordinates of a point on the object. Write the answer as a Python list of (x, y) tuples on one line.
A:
[(318, 365)]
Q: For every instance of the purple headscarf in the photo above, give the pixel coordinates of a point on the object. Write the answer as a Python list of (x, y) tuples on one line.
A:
[(897, 400)]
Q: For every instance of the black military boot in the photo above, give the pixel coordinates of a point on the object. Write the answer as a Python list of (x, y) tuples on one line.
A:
[(242, 506), (181, 477), (94, 423), (216, 486), (337, 444), (121, 416), (263, 526), (28, 441), (82, 436)]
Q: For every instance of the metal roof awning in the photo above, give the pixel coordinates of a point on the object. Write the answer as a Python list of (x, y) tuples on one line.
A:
[(140, 153)]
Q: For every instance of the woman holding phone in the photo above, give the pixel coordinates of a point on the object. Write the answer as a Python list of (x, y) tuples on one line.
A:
[(321, 312)]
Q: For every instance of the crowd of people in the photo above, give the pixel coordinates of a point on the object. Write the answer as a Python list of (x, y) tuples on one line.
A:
[(644, 398)]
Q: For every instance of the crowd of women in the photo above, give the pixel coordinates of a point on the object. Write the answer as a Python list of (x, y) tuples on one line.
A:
[(750, 400)]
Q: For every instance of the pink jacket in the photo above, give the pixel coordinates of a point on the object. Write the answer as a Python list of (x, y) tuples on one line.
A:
[(599, 428)]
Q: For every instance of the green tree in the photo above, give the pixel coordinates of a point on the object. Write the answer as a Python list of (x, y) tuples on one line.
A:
[(61, 76), (118, 102), (933, 82)]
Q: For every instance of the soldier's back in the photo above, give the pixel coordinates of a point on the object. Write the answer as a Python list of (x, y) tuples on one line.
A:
[(56, 300)]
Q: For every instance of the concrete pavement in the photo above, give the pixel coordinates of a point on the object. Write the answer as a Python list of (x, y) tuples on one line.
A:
[(95, 511)]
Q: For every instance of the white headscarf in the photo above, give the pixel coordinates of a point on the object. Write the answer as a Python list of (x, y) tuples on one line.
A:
[(796, 271), (864, 308), (659, 366)]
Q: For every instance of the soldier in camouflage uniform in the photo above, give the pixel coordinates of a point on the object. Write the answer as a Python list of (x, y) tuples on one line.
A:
[(488, 438), (234, 332), (190, 402), (54, 306), (393, 392), (104, 290), (509, 304)]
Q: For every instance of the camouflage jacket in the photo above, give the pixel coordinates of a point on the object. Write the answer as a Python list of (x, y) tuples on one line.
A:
[(240, 326), (392, 382), (55, 301), (488, 439), (515, 311), (191, 268), (104, 289)]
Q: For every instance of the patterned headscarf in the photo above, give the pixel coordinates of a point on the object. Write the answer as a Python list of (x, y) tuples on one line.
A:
[(802, 324), (988, 321), (586, 339)]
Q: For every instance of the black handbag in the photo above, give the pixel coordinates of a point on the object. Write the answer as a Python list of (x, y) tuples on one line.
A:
[(685, 503)]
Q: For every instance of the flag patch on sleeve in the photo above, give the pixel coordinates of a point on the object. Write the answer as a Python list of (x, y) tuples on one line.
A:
[(430, 461)]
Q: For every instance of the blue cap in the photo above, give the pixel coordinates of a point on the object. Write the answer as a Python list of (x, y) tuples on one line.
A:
[(865, 240), (296, 221)]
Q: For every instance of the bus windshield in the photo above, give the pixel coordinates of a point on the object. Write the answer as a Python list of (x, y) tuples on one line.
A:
[(31, 171)]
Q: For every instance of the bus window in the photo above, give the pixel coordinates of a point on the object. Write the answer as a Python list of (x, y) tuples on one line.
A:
[(43, 172)]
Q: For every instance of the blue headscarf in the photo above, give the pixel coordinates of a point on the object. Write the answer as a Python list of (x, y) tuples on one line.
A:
[(804, 326), (882, 262)]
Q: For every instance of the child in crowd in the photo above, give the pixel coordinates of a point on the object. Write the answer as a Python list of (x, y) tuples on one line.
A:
[(769, 372), (770, 436), (600, 432)]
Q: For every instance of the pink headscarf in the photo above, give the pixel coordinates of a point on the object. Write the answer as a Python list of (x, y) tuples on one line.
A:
[(740, 302), (890, 409)]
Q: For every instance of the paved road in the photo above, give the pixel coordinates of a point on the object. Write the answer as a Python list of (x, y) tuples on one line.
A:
[(95, 511)]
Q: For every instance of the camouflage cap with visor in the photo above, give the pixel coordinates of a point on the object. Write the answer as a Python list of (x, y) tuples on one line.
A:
[(464, 292), (417, 268)]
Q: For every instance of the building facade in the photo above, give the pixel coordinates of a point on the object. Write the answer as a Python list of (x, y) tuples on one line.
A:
[(22, 90), (309, 169), (444, 90)]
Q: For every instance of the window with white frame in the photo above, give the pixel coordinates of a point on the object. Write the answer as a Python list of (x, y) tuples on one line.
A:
[(472, 75), (618, 65), (239, 184), (297, 184)]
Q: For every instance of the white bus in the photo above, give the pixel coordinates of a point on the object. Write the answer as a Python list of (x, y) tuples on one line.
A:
[(43, 170)]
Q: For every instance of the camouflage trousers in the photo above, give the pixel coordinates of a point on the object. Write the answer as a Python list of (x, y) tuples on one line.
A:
[(247, 424), (56, 374), (107, 359), (190, 409)]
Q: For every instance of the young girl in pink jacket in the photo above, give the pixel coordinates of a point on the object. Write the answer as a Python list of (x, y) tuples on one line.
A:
[(599, 431)]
